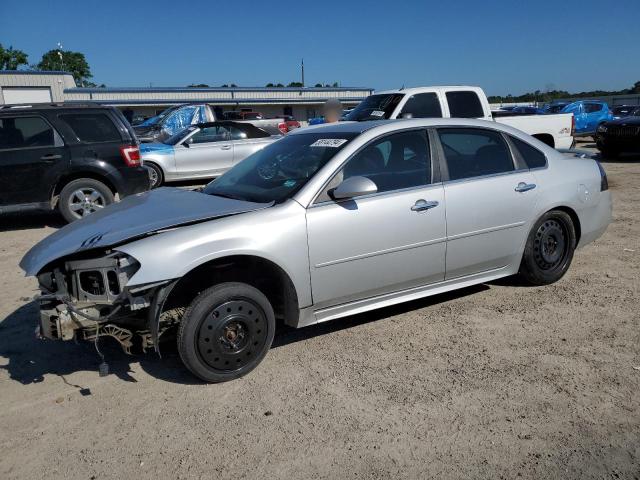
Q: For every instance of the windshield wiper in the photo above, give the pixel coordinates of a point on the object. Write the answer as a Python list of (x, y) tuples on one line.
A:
[(227, 195)]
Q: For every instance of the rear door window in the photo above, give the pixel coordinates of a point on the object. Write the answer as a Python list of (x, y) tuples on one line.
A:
[(533, 157), (26, 132), (92, 127), (474, 152), (464, 104), (423, 105), (592, 107)]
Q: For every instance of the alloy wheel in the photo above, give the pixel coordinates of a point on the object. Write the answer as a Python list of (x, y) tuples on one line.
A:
[(85, 201)]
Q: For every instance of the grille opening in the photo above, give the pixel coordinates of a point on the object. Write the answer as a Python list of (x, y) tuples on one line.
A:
[(112, 280), (92, 283)]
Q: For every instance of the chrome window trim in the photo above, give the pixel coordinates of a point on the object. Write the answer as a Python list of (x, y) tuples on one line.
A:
[(423, 130)]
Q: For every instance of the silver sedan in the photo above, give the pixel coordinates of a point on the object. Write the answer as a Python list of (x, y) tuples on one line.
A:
[(327, 222), (204, 150)]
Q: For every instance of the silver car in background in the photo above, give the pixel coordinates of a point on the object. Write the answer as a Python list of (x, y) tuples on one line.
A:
[(203, 150), (327, 222)]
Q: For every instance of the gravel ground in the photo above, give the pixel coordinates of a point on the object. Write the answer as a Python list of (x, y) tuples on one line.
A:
[(494, 381)]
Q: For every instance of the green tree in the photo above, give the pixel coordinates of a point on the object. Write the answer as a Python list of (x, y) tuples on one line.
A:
[(198, 85), (11, 59), (295, 84), (318, 85), (269, 85), (72, 62), (635, 88)]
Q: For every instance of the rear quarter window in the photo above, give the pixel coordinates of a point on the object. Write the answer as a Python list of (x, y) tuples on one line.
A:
[(464, 104), (92, 127), (533, 157)]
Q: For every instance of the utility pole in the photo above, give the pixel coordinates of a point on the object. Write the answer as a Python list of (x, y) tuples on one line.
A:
[(303, 72)]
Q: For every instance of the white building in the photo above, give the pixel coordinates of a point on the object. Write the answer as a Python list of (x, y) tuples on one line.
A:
[(302, 103)]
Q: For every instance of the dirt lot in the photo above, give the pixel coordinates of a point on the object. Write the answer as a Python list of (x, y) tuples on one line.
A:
[(495, 381)]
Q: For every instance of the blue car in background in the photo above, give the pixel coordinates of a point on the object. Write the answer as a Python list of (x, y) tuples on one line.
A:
[(555, 107), (588, 114)]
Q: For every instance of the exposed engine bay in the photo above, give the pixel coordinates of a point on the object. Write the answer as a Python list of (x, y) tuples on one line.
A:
[(87, 298)]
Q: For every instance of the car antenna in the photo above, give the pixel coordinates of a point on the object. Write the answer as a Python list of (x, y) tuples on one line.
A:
[(402, 87)]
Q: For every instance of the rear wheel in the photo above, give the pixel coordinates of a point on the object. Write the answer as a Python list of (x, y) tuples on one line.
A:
[(549, 249), (226, 332), (156, 176), (83, 197)]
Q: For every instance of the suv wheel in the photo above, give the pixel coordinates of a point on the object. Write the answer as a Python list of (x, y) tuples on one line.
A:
[(226, 332), (82, 197), (156, 176), (549, 249)]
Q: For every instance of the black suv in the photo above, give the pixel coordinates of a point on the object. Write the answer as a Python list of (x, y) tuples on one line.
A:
[(75, 158)]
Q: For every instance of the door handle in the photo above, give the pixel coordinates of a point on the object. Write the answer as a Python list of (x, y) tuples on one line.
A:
[(50, 157), (525, 187), (422, 205), (225, 147)]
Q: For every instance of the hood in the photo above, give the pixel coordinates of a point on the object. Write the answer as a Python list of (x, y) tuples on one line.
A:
[(625, 121), (133, 217)]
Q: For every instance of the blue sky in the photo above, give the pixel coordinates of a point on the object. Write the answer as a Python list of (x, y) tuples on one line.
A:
[(503, 46)]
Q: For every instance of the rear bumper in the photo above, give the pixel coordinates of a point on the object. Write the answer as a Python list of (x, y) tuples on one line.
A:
[(131, 180), (595, 220), (565, 142)]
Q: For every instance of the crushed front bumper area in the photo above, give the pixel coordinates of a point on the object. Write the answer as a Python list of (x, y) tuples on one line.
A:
[(85, 299)]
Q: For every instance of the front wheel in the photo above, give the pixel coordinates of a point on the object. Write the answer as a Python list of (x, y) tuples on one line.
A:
[(82, 197), (549, 249), (226, 332)]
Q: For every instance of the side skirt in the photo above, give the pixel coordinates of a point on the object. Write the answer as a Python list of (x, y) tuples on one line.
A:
[(309, 316)]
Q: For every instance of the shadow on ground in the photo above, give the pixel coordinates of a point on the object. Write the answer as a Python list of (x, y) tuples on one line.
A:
[(28, 359), (30, 220)]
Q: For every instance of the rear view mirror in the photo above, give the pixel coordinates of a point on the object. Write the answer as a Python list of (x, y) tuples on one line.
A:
[(354, 187)]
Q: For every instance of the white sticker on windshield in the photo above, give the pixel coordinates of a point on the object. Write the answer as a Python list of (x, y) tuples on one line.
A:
[(377, 113), (329, 142)]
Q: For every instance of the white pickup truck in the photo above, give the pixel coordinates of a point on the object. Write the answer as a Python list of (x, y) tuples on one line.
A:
[(556, 130)]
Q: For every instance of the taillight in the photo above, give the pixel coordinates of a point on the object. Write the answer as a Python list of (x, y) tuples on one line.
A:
[(131, 155), (283, 127), (604, 183), (573, 125)]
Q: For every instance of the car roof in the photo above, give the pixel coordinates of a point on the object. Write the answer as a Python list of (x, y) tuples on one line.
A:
[(414, 90), (390, 125), (51, 106)]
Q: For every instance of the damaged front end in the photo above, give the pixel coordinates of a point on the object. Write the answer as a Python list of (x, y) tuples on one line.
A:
[(88, 298)]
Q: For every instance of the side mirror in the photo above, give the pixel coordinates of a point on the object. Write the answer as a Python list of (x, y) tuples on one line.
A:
[(353, 187)]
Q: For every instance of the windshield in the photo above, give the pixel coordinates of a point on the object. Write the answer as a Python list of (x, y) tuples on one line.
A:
[(154, 120), (623, 111), (179, 135), (278, 171), (375, 107)]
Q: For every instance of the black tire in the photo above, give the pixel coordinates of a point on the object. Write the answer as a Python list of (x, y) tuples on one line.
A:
[(549, 249), (156, 176), (226, 332), (82, 197)]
